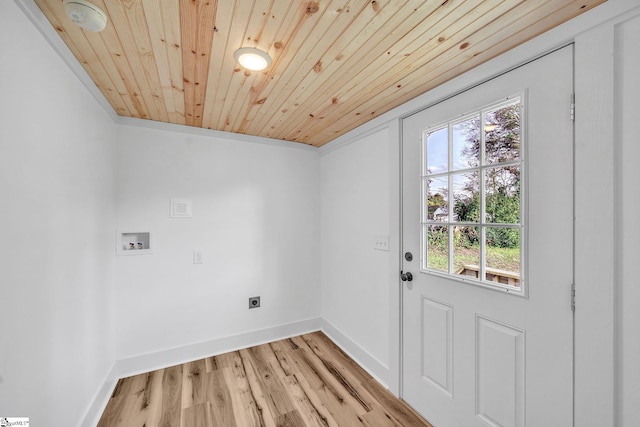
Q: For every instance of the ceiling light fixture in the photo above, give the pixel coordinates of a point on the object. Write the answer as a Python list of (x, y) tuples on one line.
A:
[(252, 58), (85, 14)]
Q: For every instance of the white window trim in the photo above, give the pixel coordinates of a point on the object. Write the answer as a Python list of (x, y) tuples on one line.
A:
[(522, 162)]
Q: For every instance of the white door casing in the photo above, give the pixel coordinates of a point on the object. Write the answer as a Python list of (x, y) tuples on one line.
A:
[(478, 356)]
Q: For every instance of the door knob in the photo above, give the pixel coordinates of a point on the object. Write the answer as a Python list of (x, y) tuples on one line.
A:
[(406, 277)]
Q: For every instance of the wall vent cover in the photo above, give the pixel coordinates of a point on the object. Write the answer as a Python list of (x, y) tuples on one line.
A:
[(181, 208)]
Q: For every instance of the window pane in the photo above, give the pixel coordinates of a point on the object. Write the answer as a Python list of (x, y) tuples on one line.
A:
[(472, 197), (438, 248), (502, 134), (466, 144), (437, 151), (438, 198), (466, 251), (503, 255), (502, 195), (466, 197)]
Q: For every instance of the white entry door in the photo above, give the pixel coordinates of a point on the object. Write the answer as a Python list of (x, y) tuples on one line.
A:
[(488, 221)]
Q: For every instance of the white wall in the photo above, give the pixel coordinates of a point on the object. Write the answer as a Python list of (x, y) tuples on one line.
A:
[(57, 183), (594, 335), (356, 207), (607, 336), (628, 203), (255, 219)]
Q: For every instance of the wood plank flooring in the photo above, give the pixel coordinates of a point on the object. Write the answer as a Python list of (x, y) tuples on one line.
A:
[(301, 381)]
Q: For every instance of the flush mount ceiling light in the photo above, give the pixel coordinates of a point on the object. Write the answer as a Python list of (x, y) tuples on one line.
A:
[(85, 14), (252, 58)]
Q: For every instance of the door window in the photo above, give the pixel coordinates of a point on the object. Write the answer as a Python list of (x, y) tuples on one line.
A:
[(472, 197)]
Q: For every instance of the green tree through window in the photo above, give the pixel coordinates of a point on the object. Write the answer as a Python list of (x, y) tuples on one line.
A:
[(480, 233)]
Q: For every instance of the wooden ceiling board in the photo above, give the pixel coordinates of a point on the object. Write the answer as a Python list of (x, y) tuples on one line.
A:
[(197, 22), (280, 25), (129, 23), (220, 71), (110, 53), (107, 45), (257, 30), (78, 44), (406, 57), (342, 56), (515, 33), (265, 98), (336, 63), (160, 42), (235, 81), (395, 62), (293, 54), (351, 68)]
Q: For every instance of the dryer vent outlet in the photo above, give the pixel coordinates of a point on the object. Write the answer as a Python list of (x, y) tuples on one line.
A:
[(254, 302)]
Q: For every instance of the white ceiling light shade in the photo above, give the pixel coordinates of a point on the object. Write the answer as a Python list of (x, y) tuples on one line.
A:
[(85, 15), (252, 58)]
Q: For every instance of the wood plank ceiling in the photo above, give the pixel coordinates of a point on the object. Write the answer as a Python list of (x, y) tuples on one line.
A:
[(336, 63)]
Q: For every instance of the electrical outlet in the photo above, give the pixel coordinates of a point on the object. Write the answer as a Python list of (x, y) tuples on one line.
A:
[(197, 257), (254, 302)]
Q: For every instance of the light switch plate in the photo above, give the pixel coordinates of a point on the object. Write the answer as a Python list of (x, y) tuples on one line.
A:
[(381, 242), (197, 257)]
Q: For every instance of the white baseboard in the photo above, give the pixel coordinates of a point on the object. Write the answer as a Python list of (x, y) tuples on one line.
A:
[(362, 357), (162, 359), (92, 416), (175, 356)]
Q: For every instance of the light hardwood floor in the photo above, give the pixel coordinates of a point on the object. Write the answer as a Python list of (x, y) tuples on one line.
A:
[(301, 381)]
